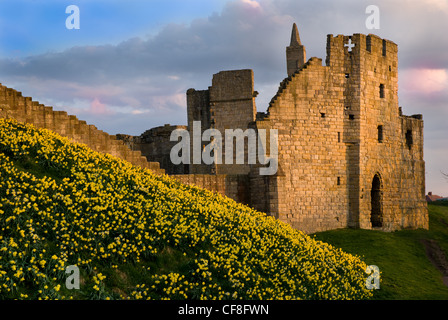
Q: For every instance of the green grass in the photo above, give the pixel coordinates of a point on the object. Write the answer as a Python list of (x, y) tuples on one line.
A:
[(406, 272)]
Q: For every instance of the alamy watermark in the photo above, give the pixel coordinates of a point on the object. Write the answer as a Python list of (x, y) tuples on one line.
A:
[(212, 153), (373, 280), (73, 20), (373, 20), (72, 281)]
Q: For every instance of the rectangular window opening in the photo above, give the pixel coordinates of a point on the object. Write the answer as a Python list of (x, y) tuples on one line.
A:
[(339, 181), (380, 133), (381, 90), (339, 137), (351, 117), (322, 115), (368, 44), (409, 141), (347, 75), (384, 47)]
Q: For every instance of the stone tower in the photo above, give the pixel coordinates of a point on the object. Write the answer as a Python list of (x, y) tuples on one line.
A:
[(229, 103), (385, 147), (295, 53), (348, 157)]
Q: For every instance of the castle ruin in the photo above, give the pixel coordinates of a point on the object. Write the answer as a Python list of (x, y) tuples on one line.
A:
[(347, 156)]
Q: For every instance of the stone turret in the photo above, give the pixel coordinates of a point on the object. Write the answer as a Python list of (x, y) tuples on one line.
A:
[(295, 53)]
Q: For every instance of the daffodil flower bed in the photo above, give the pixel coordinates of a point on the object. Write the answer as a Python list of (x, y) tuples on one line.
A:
[(63, 204)]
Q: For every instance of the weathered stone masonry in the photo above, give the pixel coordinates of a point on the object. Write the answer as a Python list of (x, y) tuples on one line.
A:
[(340, 130), (348, 157)]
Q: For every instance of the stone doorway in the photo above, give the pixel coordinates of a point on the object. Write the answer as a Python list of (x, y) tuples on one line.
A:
[(376, 215)]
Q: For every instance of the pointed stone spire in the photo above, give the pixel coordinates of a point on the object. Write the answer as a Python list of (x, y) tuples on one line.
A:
[(295, 53), (295, 38)]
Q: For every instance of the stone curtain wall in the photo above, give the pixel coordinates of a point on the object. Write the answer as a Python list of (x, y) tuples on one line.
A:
[(310, 188), (235, 187), (413, 203), (156, 146), (23, 109)]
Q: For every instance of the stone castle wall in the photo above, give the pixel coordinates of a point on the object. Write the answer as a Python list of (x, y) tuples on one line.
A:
[(156, 146), (330, 119), (198, 109), (373, 87), (23, 109), (347, 156), (311, 183), (147, 151), (235, 187), (229, 103)]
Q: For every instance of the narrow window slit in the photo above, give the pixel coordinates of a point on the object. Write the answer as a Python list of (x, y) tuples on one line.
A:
[(409, 141), (380, 133), (381, 90)]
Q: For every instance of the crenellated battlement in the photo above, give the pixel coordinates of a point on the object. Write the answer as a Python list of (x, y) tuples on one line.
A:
[(357, 46)]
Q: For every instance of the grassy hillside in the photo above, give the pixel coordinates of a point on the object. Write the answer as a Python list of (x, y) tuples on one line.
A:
[(406, 271), (134, 235)]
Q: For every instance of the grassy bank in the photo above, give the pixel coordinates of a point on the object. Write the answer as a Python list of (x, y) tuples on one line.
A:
[(136, 235), (406, 271)]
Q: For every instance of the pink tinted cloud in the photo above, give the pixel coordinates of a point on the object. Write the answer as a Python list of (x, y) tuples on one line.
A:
[(424, 81), (96, 107), (251, 3)]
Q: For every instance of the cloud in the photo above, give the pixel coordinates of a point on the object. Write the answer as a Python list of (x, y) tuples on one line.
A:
[(153, 73), (143, 72), (252, 4), (140, 82), (436, 5), (96, 107), (424, 81)]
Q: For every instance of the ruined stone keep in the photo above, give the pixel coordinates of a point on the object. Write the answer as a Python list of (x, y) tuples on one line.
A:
[(347, 156)]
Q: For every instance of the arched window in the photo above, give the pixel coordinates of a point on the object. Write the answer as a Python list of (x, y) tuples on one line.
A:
[(376, 214)]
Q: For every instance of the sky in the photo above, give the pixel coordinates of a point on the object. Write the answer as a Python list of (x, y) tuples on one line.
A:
[(128, 66)]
